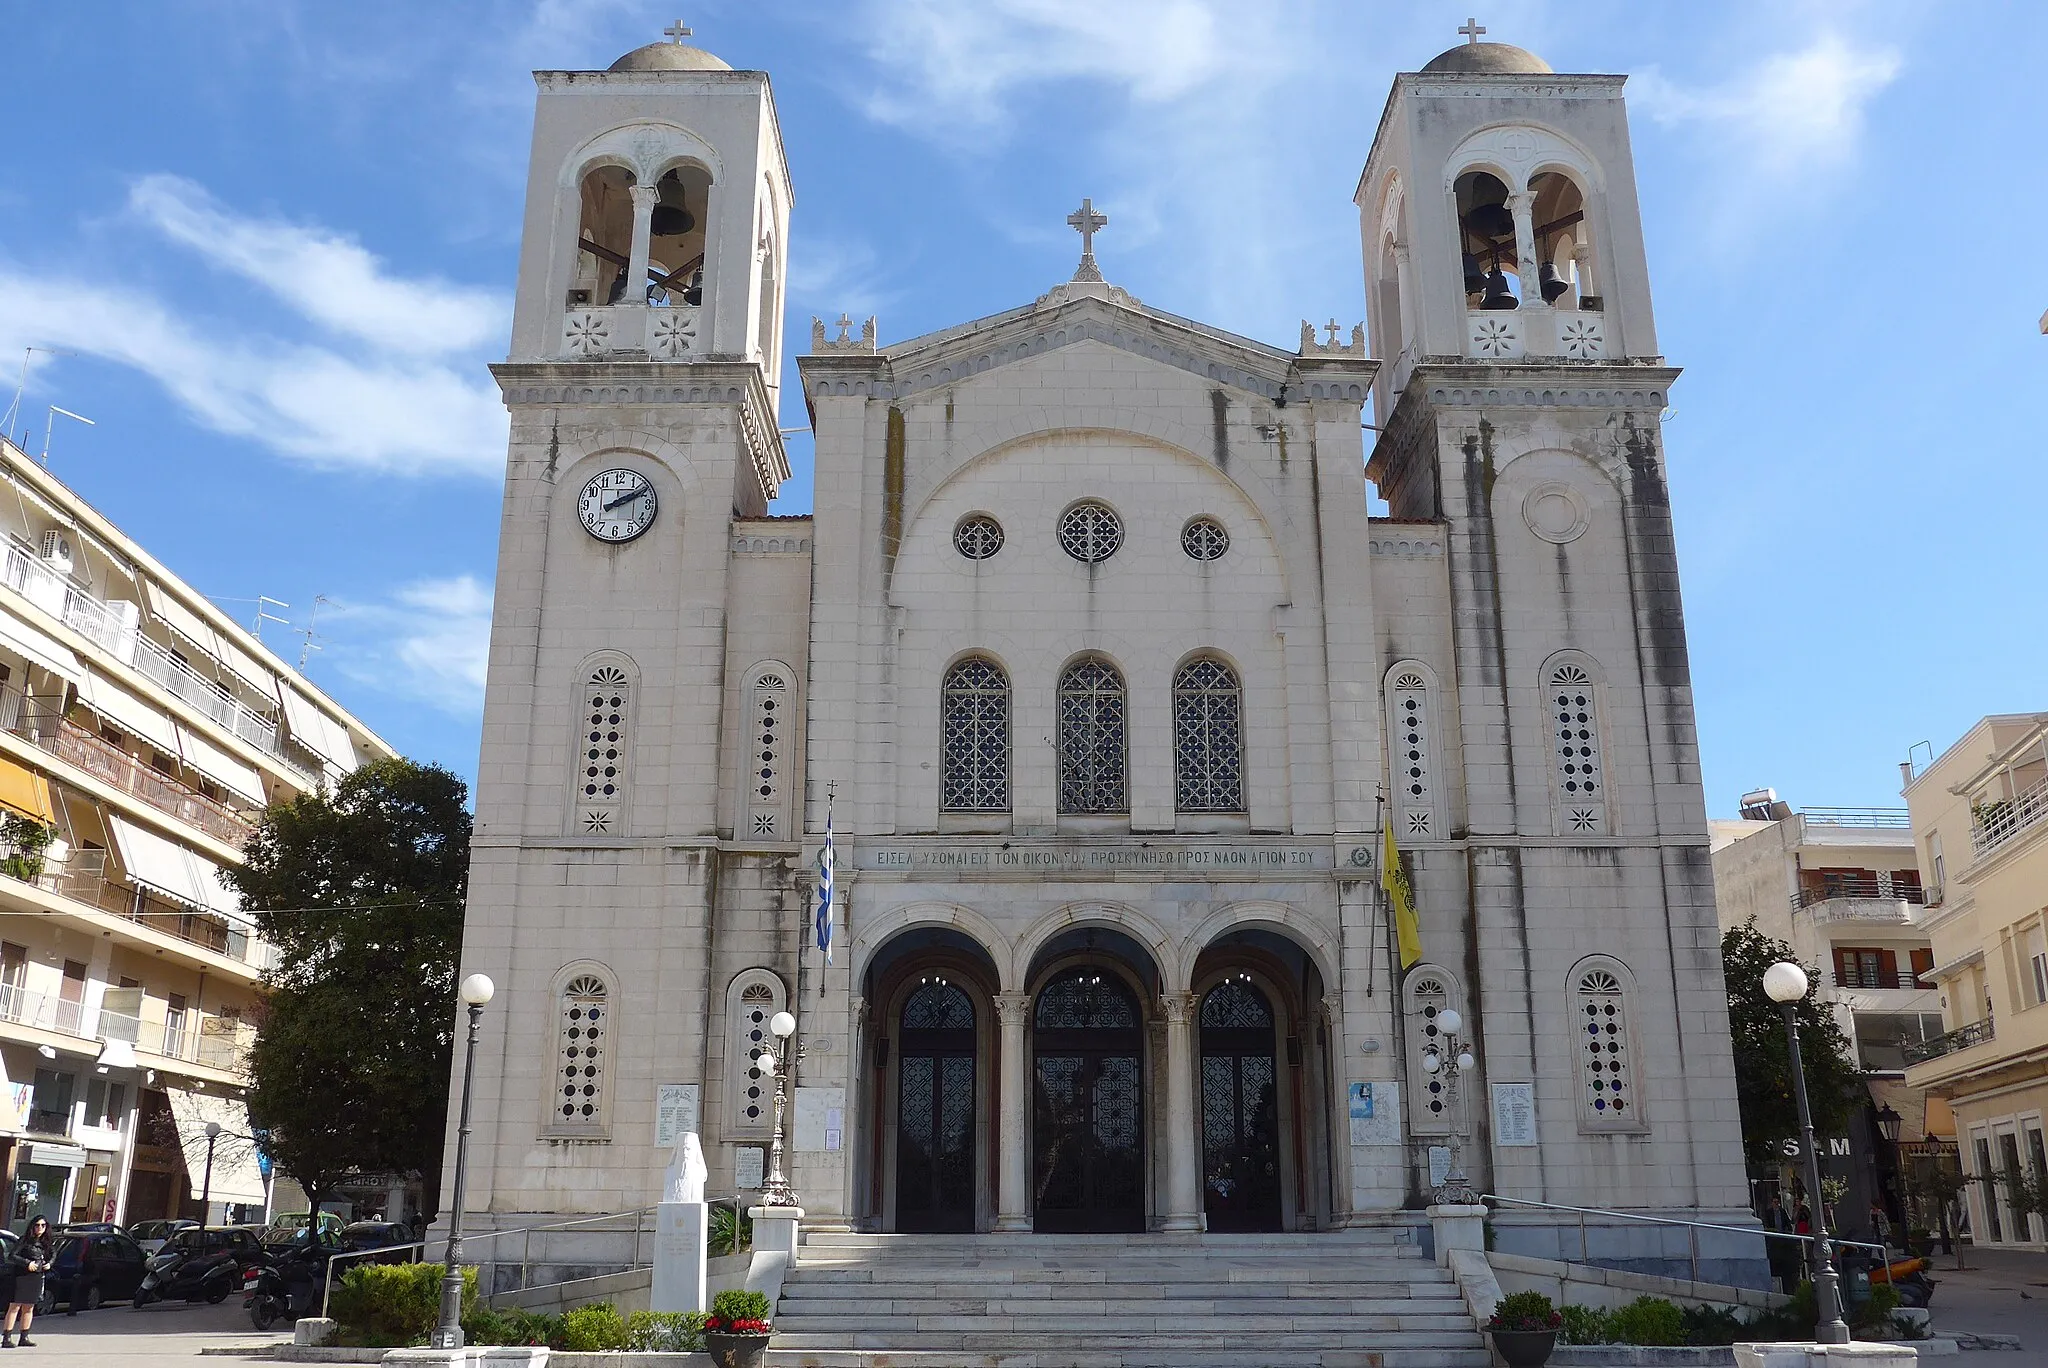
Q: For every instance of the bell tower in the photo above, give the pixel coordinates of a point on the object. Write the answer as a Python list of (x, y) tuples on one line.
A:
[(1520, 398)]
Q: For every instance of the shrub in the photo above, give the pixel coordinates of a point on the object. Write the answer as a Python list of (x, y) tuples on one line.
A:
[(1524, 1311), (1585, 1325), (732, 1230), (738, 1313), (389, 1306), (1649, 1320), (532, 1327), (665, 1332), (1792, 1321), (590, 1329), (1876, 1311), (1712, 1325), (485, 1326)]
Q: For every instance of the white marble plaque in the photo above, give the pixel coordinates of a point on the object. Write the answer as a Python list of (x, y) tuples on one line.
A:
[(750, 1166), (815, 1110), (675, 1113), (1514, 1114), (1375, 1112), (1439, 1164)]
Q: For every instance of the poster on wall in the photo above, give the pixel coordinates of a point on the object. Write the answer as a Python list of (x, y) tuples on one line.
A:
[(675, 1113), (819, 1118), (1375, 1113), (750, 1167), (1514, 1114)]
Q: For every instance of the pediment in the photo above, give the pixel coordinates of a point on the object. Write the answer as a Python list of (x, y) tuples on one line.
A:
[(1070, 315)]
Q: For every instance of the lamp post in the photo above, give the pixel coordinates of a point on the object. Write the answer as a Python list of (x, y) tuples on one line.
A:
[(476, 991), (1785, 984), (1452, 1059), (775, 1190), (213, 1129)]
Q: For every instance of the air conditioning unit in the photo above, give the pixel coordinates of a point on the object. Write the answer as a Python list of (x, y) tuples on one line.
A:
[(57, 550)]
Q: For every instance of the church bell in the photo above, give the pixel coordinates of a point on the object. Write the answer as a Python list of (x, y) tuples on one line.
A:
[(670, 220), (1475, 278), (1552, 283), (1497, 295)]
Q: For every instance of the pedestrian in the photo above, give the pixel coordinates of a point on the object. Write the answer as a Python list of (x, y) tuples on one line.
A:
[(30, 1259), (85, 1284), (1779, 1247), (1881, 1224)]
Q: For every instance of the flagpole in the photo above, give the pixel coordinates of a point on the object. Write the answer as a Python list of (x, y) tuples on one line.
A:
[(1372, 928)]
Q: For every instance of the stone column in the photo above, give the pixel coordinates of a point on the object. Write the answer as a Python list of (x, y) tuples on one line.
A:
[(644, 197), (1013, 1211), (1183, 1187), (1522, 205)]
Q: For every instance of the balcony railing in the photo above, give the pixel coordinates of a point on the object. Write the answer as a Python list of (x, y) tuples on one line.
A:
[(83, 879), (1879, 979), (119, 635), (1960, 1038), (1891, 819), (218, 1042), (37, 720), (1870, 890), (1996, 821)]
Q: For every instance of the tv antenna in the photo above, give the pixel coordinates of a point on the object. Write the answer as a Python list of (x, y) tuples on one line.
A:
[(50, 424), (307, 647), (14, 409)]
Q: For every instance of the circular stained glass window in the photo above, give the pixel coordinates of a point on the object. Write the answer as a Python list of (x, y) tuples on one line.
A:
[(1090, 532), (1204, 539), (978, 536)]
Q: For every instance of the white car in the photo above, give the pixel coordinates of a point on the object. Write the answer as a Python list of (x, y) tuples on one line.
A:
[(152, 1234)]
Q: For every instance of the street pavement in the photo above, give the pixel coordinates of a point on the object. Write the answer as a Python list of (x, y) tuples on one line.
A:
[(2001, 1292), (157, 1336)]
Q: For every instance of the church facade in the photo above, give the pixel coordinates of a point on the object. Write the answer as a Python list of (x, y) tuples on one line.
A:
[(1111, 688)]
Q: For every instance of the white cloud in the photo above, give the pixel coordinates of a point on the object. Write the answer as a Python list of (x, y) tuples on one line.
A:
[(429, 642), (328, 278), (1794, 111)]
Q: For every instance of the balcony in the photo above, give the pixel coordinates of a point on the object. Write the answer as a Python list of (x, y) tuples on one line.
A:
[(1961, 1038), (642, 332), (1869, 980), (37, 721), (83, 880), (1888, 819), (1996, 822), (114, 629), (213, 1042), (1860, 900)]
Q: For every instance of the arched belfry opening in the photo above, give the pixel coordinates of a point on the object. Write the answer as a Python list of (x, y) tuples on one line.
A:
[(1563, 242), (676, 231), (1486, 242), (615, 218), (604, 237)]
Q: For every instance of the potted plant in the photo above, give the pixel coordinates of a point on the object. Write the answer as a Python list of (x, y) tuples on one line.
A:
[(1524, 1327), (736, 1331)]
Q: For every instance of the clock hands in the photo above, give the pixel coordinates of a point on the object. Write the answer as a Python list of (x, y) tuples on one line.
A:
[(626, 498)]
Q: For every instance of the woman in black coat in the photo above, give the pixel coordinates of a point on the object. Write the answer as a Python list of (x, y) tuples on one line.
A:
[(30, 1260)]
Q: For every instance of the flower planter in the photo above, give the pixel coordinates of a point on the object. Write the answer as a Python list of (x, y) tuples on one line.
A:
[(1525, 1348), (747, 1351)]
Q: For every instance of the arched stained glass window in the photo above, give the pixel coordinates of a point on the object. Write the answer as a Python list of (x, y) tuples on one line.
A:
[(1234, 1005), (1429, 995), (974, 709), (606, 746), (1606, 1064), (1092, 738), (585, 1025), (938, 1006), (1208, 738), (1410, 762), (1573, 701)]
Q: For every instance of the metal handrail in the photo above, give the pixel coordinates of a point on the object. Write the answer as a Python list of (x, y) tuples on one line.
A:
[(527, 1233), (1693, 1229), (327, 1274)]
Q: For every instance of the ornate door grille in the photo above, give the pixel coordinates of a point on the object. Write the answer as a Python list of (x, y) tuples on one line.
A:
[(975, 715), (1208, 739), (1092, 738)]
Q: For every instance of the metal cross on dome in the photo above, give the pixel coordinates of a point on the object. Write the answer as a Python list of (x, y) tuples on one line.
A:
[(1471, 30), (678, 31), (1087, 223)]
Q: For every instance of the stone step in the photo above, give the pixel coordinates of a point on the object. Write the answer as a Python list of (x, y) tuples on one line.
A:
[(1368, 1237), (1098, 1322), (1208, 1357), (1163, 1302), (1255, 1276), (1290, 1343)]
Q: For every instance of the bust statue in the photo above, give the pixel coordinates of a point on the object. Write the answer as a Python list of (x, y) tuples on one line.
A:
[(686, 1171)]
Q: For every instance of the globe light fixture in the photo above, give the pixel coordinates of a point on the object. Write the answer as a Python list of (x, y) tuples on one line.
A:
[(1785, 983), (477, 989), (783, 1025), (1448, 1021)]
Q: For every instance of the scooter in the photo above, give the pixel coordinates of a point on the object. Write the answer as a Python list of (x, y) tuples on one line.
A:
[(179, 1275), (285, 1288)]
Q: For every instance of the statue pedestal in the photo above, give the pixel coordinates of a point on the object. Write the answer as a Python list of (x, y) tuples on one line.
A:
[(775, 1229), (679, 1256)]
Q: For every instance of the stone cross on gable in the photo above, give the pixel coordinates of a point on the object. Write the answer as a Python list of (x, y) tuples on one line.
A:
[(1087, 223), (1471, 30), (678, 31)]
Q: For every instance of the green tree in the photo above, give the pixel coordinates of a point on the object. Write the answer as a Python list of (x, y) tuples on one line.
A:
[(361, 890), (1763, 1061)]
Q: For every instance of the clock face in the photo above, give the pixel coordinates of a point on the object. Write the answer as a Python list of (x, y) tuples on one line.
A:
[(617, 505)]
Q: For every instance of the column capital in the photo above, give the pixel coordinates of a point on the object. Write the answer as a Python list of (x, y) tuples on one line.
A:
[(644, 196), (1013, 1007), (1179, 1007), (1333, 1006)]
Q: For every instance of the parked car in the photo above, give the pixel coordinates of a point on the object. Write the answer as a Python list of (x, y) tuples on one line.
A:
[(102, 1227), (152, 1234), (89, 1267), (286, 1222), (366, 1235)]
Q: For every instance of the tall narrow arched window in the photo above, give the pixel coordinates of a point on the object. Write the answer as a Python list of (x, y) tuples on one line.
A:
[(1208, 738), (1573, 702), (582, 1050), (752, 999), (764, 753), (604, 750), (1429, 992), (1607, 1090), (974, 724), (1092, 738), (1411, 760)]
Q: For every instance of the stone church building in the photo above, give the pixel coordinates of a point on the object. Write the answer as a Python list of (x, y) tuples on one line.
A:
[(1110, 683)]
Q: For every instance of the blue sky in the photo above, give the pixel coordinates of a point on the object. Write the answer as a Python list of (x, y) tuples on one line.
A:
[(278, 241)]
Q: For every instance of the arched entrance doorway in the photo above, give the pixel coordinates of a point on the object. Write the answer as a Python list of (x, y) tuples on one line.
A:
[(1240, 1108), (935, 1109), (1088, 1094)]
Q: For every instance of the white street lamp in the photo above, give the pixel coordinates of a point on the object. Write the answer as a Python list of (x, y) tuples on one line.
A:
[(476, 990), (776, 1191), (1785, 984)]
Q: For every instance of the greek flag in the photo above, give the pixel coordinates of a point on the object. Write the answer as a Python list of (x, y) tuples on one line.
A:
[(825, 888)]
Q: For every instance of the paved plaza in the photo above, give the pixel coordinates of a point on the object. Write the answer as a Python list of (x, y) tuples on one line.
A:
[(153, 1337)]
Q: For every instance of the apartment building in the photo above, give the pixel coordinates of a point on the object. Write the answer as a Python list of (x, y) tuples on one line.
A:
[(1980, 821), (1842, 886), (141, 731)]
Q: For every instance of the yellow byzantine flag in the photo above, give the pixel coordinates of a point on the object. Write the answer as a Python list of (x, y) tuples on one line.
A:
[(1394, 880)]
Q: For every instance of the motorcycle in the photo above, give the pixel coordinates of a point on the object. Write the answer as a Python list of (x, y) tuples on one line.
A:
[(286, 1287), (179, 1275)]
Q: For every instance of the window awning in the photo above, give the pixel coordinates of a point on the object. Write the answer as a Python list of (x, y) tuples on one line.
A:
[(24, 791), (219, 766), (128, 712), (315, 730), (237, 1177), (255, 672), (181, 619), (39, 648), (156, 863)]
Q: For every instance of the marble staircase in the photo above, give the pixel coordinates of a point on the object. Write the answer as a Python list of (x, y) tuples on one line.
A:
[(1351, 1299)]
